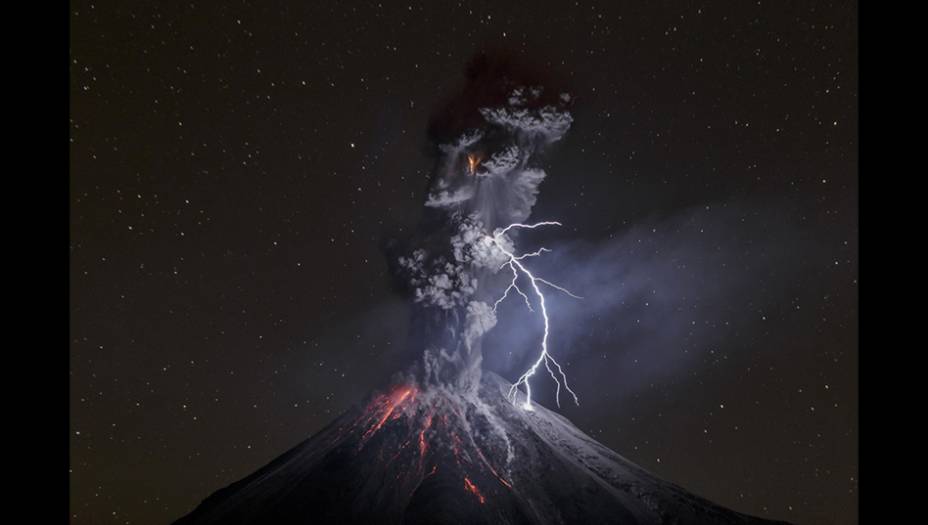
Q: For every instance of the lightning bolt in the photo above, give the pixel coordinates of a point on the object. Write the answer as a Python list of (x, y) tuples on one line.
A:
[(514, 263)]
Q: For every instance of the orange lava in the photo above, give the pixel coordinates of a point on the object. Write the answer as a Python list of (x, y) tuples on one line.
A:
[(391, 402), (472, 162), (456, 447), (474, 490), (503, 481), (423, 444), (493, 470)]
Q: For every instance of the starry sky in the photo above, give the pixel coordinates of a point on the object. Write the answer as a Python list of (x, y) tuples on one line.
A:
[(236, 169)]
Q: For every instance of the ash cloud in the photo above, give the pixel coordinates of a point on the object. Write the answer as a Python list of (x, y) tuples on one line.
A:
[(488, 141), (503, 119)]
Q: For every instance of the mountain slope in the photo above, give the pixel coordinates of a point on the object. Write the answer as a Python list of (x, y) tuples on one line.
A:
[(436, 455)]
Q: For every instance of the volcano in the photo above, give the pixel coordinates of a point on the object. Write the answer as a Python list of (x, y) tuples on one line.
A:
[(437, 455), (447, 442)]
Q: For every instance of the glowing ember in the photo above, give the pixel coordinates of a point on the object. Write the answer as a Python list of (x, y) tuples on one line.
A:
[(390, 404), (423, 444), (493, 470), (472, 162), (456, 447), (474, 490)]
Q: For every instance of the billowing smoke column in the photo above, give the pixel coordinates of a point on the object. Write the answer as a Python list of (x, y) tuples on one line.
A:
[(483, 188)]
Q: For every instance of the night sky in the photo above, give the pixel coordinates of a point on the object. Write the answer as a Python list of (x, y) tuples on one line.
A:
[(236, 170)]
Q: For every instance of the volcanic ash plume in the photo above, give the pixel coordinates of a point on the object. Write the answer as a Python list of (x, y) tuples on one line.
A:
[(486, 178)]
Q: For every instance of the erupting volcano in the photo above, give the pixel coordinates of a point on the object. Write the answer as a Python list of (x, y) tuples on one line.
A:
[(438, 456), (449, 442)]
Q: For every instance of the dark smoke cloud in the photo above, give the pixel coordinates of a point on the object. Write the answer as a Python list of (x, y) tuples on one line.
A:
[(490, 79)]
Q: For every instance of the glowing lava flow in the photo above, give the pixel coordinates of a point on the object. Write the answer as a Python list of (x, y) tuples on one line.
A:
[(469, 485), (423, 443), (472, 162), (388, 405), (516, 266)]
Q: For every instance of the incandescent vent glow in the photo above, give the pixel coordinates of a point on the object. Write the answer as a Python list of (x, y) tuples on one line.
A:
[(514, 263), (473, 160)]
